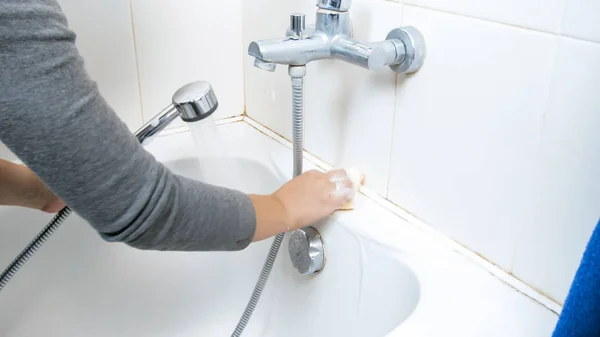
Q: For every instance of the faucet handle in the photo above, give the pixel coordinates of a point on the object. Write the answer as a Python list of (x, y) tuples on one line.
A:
[(335, 5), (297, 24)]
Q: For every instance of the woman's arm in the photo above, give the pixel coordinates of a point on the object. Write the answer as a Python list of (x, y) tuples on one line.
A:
[(288, 208), (55, 120)]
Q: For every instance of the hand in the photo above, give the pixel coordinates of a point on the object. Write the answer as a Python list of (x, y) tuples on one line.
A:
[(304, 200), (313, 196), (19, 186)]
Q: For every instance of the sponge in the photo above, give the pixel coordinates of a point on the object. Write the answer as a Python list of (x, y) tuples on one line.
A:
[(357, 178)]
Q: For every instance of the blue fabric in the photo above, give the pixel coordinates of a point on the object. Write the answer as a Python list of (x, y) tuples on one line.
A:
[(580, 316)]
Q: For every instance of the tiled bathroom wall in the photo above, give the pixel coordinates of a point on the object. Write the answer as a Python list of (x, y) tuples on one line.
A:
[(181, 41), (494, 142), (141, 51)]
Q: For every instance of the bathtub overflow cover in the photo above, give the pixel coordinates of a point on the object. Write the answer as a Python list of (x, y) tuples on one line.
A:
[(307, 251)]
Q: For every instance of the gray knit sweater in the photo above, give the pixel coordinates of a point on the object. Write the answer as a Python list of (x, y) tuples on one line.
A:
[(55, 120)]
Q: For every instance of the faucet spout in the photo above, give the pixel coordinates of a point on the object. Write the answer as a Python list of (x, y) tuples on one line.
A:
[(290, 51)]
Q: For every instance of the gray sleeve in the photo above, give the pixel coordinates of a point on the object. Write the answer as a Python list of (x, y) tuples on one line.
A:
[(53, 117)]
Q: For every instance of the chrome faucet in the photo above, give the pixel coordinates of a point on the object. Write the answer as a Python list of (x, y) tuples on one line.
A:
[(192, 102), (403, 50)]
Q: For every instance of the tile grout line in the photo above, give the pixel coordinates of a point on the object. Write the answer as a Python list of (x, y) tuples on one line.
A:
[(427, 230), (559, 35), (540, 136), (137, 61), (285, 142), (243, 60), (393, 127)]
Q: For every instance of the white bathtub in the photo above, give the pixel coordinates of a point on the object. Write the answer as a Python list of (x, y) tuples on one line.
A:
[(383, 276)]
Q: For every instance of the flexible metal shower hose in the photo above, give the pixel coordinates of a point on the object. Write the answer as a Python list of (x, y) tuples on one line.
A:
[(60, 217), (298, 135), (33, 246)]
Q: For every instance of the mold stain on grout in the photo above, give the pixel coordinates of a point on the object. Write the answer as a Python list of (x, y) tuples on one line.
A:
[(542, 293), (539, 291), (262, 132), (478, 259), (480, 256), (481, 261), (287, 143)]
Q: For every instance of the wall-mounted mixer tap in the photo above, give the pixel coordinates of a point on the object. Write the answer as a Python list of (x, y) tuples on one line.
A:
[(403, 50)]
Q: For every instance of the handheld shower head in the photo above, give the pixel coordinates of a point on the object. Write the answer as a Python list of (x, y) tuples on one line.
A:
[(193, 102)]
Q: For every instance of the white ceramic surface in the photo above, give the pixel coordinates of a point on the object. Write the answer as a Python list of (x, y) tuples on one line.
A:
[(544, 15), (580, 20), (383, 275)]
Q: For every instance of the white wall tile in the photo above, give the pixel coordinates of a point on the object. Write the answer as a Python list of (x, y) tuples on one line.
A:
[(581, 19), (567, 175), (182, 41), (466, 128), (348, 110), (105, 40), (268, 95), (545, 15)]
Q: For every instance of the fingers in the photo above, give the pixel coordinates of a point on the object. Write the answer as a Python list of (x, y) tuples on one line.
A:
[(342, 188), (338, 184)]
